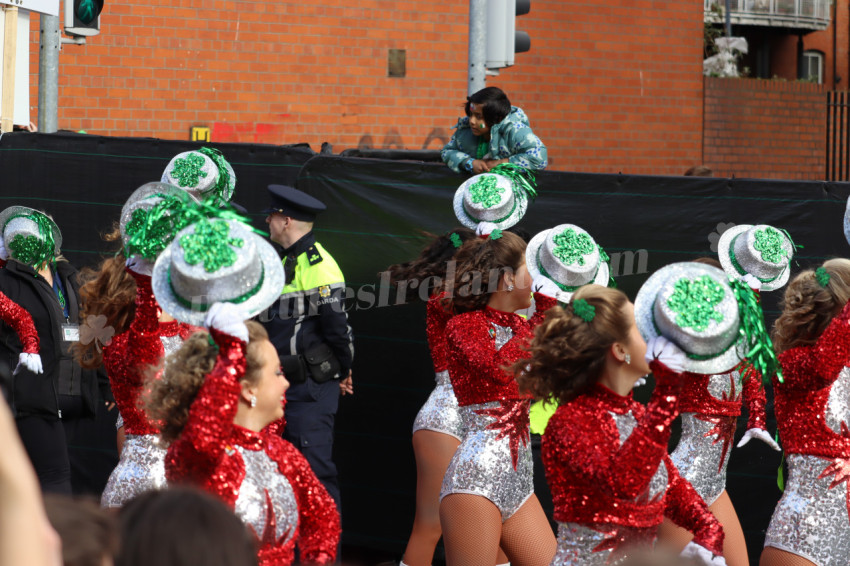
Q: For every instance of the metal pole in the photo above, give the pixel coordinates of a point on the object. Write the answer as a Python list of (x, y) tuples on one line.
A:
[(728, 14), (477, 45), (48, 73)]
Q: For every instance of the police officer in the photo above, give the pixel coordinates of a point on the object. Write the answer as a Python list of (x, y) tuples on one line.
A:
[(309, 328)]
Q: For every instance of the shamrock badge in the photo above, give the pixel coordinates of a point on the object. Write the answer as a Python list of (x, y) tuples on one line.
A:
[(695, 300), (572, 246), (770, 243), (189, 170), (211, 245), (486, 191)]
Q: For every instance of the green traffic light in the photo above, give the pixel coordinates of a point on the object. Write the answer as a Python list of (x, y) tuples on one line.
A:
[(87, 10)]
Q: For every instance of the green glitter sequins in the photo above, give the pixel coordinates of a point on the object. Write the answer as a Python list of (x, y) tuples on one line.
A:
[(572, 246), (694, 302), (211, 245), (137, 221), (456, 241), (486, 191), (822, 276), (189, 170), (30, 250), (770, 243), (584, 310)]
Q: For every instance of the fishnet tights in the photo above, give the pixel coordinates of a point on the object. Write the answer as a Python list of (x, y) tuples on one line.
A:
[(774, 557)]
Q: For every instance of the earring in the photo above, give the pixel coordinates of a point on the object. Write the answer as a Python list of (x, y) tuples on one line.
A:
[(628, 358), (510, 288), (253, 401)]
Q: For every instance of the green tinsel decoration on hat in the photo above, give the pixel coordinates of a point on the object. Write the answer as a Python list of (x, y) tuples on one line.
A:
[(522, 179), (170, 215), (760, 355), (31, 250), (221, 192)]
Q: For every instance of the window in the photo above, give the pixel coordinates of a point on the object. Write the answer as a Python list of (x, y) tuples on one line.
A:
[(813, 66)]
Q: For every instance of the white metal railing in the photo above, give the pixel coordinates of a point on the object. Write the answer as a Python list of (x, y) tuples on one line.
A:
[(813, 14)]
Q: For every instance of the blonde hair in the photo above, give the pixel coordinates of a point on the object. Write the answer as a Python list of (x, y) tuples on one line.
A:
[(568, 353), (170, 396), (808, 307)]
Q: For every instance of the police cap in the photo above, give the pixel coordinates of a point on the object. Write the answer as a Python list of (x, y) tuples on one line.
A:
[(291, 202)]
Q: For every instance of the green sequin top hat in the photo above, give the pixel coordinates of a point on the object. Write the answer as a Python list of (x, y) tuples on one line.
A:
[(568, 256), (761, 250), (500, 197), (694, 306), (135, 210), (204, 173), (31, 236), (212, 261)]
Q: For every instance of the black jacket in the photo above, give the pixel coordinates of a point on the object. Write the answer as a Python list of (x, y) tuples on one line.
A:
[(39, 394)]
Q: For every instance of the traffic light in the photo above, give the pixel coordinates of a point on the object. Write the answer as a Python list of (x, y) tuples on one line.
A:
[(503, 39), (82, 17)]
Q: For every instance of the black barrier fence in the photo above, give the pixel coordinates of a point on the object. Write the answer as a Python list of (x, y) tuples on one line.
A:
[(379, 213)]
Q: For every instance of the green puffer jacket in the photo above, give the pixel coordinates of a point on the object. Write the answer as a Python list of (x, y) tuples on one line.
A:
[(511, 138)]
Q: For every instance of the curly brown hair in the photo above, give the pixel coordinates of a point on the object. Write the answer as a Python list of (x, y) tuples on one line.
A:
[(170, 394), (808, 307), (109, 291), (481, 262), (429, 268), (569, 353)]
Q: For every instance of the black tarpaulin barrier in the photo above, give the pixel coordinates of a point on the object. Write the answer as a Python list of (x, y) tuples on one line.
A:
[(83, 180), (377, 213)]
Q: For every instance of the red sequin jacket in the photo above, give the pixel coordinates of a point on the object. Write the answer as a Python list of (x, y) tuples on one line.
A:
[(130, 354), (476, 367), (436, 318), (203, 456), (695, 398), (594, 479), (800, 402)]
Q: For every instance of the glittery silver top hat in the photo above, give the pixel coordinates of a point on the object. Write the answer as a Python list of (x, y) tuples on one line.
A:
[(569, 256), (489, 197), (28, 235), (693, 305), (760, 250), (204, 173), (135, 210), (216, 261)]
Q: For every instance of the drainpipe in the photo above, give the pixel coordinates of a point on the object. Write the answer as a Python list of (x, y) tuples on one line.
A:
[(835, 77), (800, 56)]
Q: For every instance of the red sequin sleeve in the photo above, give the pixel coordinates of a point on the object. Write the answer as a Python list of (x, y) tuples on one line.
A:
[(686, 508), (436, 318), (832, 350), (476, 349), (146, 348), (754, 398), (542, 303), (197, 454), (20, 320), (318, 518)]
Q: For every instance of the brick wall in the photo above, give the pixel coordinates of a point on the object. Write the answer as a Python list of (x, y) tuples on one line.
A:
[(766, 129), (608, 87)]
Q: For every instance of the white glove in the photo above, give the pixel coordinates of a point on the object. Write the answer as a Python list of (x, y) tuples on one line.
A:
[(641, 381), (140, 265), (762, 435), (661, 349), (4, 254), (484, 228), (545, 286), (229, 319), (30, 361), (751, 281), (702, 555)]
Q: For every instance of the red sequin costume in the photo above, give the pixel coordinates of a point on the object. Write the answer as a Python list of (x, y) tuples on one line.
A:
[(440, 412), (21, 322), (494, 457), (710, 406), (262, 477), (611, 479), (812, 407), (127, 359)]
